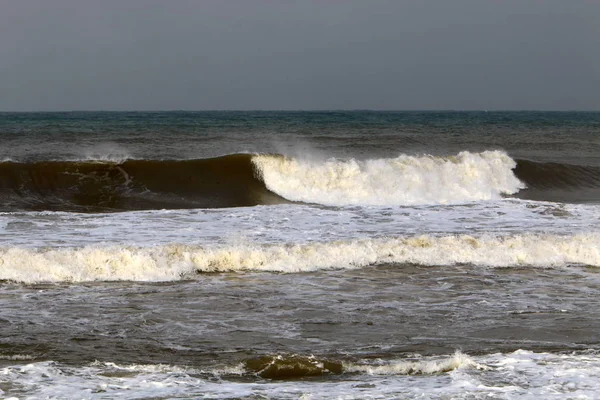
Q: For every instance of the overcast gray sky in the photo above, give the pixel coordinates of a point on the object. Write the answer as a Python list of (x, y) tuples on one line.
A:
[(259, 54)]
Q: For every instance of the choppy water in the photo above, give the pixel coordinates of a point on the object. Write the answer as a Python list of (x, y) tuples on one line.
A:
[(299, 255)]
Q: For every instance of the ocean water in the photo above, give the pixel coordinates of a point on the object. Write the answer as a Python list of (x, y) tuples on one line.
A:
[(300, 255)]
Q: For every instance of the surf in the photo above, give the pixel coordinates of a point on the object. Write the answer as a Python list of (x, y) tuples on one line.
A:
[(175, 262), (404, 180), (243, 180)]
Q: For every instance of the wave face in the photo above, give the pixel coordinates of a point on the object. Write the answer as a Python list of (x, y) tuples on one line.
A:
[(559, 181), (180, 262), (86, 186), (556, 175), (240, 180), (404, 180)]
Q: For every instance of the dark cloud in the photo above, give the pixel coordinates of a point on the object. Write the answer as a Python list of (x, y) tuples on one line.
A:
[(143, 54)]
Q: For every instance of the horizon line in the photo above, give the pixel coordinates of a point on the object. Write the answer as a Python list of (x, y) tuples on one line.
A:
[(293, 110)]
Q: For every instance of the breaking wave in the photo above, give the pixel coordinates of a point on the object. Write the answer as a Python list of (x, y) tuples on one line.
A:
[(520, 374), (297, 366), (182, 262), (404, 180), (239, 180), (88, 186)]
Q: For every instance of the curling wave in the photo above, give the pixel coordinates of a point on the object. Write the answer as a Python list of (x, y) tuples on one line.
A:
[(559, 182), (239, 180), (88, 186), (181, 262), (404, 180)]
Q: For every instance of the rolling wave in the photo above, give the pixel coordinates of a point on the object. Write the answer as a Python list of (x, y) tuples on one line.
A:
[(87, 186), (183, 262), (404, 180), (559, 182), (239, 180)]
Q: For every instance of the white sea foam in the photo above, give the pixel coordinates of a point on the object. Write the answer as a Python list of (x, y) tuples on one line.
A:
[(522, 374), (291, 223), (175, 262), (403, 180), (16, 357), (416, 367)]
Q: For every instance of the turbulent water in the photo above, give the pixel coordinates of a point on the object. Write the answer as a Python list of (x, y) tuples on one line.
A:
[(310, 255)]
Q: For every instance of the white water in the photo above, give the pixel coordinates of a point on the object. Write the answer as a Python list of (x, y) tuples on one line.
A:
[(415, 367), (176, 262), (404, 180), (521, 374), (291, 224), (170, 245)]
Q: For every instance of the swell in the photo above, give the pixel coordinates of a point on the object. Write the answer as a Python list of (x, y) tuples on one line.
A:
[(558, 181), (84, 186), (239, 180)]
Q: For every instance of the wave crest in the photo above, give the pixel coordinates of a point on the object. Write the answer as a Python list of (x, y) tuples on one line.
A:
[(404, 180), (180, 262), (239, 180)]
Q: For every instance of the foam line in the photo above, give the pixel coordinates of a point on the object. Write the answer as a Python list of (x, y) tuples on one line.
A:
[(176, 262)]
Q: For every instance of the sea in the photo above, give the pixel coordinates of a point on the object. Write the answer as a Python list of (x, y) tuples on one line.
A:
[(300, 255)]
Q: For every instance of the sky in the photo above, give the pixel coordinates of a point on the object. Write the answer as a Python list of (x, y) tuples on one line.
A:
[(64, 55)]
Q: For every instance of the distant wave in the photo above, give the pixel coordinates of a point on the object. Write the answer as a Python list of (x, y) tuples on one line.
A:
[(239, 180), (181, 262)]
